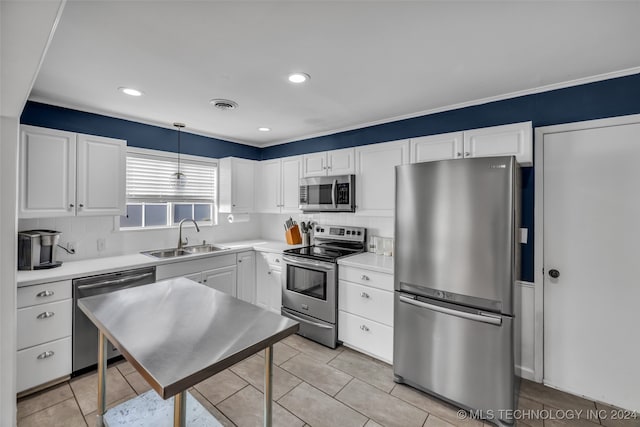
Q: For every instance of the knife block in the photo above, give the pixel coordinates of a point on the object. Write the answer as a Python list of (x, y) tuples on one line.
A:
[(293, 235)]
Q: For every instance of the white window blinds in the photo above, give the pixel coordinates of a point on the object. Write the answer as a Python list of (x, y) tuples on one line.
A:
[(151, 179)]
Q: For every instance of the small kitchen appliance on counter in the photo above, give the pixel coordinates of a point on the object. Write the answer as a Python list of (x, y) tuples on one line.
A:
[(37, 249), (310, 288)]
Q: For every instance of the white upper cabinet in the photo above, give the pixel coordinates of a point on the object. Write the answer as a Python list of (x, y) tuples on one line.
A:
[(67, 174), (437, 147), (376, 176), (508, 140), (278, 187), (101, 176), (236, 185), (335, 162), (291, 174)]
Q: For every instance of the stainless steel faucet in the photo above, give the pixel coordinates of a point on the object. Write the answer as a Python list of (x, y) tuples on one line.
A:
[(180, 242)]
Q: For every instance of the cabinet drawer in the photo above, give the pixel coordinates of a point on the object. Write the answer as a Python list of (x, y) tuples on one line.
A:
[(371, 337), (365, 301), (44, 322), (47, 292), (273, 258), (183, 268), (366, 277), (43, 363)]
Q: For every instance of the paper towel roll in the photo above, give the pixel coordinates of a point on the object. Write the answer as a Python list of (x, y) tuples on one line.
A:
[(234, 218)]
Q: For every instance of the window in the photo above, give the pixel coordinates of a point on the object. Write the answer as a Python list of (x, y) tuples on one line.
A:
[(153, 198)]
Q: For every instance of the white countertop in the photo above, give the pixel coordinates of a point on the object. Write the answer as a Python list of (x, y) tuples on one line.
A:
[(370, 261), (93, 266)]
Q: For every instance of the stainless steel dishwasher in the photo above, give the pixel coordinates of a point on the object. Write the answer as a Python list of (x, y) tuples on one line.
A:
[(85, 334)]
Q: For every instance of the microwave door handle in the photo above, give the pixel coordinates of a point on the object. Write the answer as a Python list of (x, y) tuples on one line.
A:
[(334, 196)]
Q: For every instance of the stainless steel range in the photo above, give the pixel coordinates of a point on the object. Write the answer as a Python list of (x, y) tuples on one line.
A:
[(310, 289)]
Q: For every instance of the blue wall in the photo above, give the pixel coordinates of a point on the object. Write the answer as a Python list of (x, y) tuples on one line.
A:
[(137, 134), (608, 98)]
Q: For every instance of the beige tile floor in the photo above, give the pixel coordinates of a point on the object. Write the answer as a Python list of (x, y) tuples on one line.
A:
[(313, 386)]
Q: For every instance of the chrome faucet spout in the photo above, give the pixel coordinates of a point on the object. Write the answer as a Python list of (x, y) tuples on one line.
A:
[(180, 242)]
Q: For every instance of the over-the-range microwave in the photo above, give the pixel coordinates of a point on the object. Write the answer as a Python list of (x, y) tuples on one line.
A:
[(328, 194)]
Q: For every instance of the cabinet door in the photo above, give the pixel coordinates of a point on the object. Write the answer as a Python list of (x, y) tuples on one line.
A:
[(196, 277), (341, 162), (507, 140), (291, 173), (47, 173), (221, 279), (314, 164), (275, 289), (376, 176), (242, 186), (263, 277), (437, 147), (247, 276), (268, 179), (102, 173)]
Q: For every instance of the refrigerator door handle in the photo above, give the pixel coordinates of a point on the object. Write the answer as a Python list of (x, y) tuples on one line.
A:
[(477, 317)]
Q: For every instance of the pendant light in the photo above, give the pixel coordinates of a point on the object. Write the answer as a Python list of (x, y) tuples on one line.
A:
[(179, 178)]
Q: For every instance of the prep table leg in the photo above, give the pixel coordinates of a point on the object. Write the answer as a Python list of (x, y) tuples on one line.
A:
[(102, 378), (180, 409), (268, 376)]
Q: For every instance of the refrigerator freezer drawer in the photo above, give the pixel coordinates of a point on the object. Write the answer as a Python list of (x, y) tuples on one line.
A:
[(455, 354)]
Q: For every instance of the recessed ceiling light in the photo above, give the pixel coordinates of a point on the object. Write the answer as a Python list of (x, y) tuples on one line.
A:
[(298, 77), (130, 91), (264, 129)]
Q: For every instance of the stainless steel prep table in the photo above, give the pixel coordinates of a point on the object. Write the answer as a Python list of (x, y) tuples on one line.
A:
[(177, 333)]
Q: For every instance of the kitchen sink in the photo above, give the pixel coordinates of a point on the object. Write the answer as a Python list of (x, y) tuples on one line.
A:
[(187, 250), (200, 249)]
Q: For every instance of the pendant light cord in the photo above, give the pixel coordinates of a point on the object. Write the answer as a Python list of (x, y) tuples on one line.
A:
[(179, 126)]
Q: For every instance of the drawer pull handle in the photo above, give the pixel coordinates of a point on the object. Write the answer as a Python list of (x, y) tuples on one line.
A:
[(364, 295), (45, 315), (364, 328), (44, 294), (364, 277), (45, 355)]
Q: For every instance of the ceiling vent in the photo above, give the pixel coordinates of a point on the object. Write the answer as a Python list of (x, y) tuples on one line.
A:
[(224, 104)]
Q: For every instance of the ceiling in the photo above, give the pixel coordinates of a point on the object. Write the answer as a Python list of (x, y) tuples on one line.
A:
[(369, 61)]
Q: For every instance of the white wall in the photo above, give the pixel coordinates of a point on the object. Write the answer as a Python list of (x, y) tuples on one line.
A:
[(85, 232)]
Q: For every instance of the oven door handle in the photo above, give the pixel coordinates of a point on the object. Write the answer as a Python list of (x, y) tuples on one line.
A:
[(309, 264), (334, 195), (300, 319)]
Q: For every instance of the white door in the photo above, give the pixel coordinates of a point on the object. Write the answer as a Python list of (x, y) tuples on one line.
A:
[(591, 235), (247, 276), (221, 279), (242, 185), (47, 173), (101, 183), (268, 185), (314, 164), (275, 289), (291, 173), (263, 276), (341, 162), (436, 147)]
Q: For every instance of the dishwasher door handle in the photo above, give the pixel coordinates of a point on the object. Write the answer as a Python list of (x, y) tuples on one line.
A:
[(114, 282), (494, 320)]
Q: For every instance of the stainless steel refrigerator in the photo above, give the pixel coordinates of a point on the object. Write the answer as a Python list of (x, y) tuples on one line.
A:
[(456, 261)]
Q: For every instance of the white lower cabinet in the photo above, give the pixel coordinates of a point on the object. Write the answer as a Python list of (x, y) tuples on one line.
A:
[(269, 281), (246, 289), (221, 279), (365, 311), (44, 321)]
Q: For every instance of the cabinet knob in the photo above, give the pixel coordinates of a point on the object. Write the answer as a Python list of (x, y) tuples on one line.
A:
[(81, 205), (70, 205), (467, 154), (45, 355), (268, 272), (458, 154), (277, 260), (364, 328), (239, 261), (45, 315), (364, 277), (364, 295), (554, 273)]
